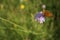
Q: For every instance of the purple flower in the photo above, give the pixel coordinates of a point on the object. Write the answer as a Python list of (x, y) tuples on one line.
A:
[(40, 17)]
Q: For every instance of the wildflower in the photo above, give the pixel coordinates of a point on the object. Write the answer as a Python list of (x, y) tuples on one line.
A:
[(22, 6), (43, 6), (40, 17)]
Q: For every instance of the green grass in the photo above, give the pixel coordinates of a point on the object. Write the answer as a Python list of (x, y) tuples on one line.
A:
[(18, 24)]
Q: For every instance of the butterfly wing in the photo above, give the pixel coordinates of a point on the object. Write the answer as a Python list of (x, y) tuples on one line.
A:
[(47, 14)]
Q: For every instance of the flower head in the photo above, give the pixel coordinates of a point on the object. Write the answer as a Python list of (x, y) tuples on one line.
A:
[(43, 6), (22, 6), (40, 17), (39, 14)]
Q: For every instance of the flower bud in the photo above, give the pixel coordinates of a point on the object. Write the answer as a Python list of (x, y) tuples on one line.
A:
[(43, 6)]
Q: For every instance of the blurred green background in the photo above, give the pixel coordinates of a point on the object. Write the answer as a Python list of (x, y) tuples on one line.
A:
[(17, 20)]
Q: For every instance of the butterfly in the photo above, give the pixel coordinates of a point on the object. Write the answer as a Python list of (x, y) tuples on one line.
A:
[(40, 16), (47, 13)]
